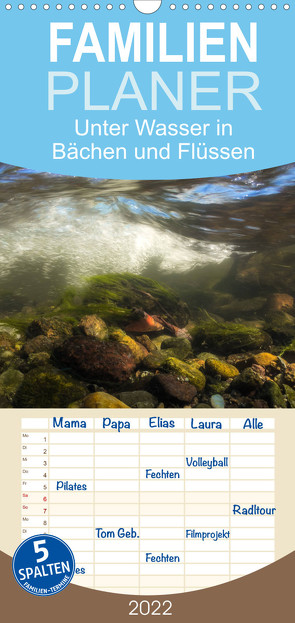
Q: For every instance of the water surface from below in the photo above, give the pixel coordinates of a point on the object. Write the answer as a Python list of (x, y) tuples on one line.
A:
[(55, 229)]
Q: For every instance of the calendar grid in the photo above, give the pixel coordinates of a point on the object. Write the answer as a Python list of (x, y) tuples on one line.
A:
[(152, 509)]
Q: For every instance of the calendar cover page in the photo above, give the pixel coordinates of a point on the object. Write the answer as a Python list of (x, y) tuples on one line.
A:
[(147, 255)]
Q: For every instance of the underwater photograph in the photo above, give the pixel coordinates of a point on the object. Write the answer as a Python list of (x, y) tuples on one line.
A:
[(147, 294)]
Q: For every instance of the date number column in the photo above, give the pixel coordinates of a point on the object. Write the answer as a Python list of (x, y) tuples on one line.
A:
[(34, 477)]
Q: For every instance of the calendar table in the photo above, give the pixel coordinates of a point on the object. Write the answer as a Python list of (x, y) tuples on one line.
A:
[(156, 502)]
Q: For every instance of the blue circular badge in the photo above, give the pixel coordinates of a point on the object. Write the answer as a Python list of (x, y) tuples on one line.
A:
[(43, 565)]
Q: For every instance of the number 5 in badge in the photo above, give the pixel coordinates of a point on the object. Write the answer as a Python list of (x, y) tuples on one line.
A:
[(38, 549)]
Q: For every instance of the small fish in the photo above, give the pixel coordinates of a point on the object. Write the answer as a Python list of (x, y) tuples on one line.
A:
[(146, 324)]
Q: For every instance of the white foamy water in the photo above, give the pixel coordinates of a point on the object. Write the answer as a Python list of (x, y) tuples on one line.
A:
[(98, 243), (56, 230)]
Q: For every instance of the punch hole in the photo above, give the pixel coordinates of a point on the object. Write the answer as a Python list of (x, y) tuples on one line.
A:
[(147, 6)]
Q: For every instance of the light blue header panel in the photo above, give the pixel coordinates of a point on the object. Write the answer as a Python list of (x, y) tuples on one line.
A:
[(110, 91)]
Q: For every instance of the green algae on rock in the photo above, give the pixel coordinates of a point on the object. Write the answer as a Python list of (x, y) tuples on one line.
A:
[(10, 381), (46, 387), (228, 337), (36, 360), (114, 296), (155, 360), (139, 352), (288, 353), (248, 381), (264, 359), (203, 356), (215, 367), (216, 387), (186, 371), (290, 394), (181, 347), (273, 395)]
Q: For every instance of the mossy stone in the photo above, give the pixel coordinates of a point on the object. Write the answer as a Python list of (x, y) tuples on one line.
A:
[(265, 359), (48, 388), (248, 381), (36, 360), (158, 340), (186, 371), (214, 367), (203, 356), (290, 393), (181, 347), (10, 381), (228, 337), (6, 341), (155, 360), (54, 329), (289, 375), (102, 400), (273, 395), (139, 352), (289, 353), (244, 308), (214, 387), (138, 399), (280, 325), (93, 325)]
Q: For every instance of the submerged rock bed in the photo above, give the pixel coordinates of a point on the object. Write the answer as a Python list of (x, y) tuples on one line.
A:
[(127, 341)]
